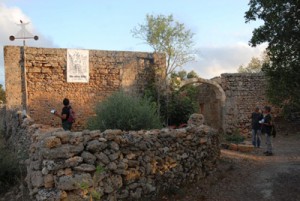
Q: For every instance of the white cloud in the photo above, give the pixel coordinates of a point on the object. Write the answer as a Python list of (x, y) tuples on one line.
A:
[(9, 18), (213, 61)]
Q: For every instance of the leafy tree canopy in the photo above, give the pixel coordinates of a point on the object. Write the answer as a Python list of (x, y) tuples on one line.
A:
[(281, 30), (2, 94), (165, 35), (192, 74), (255, 65)]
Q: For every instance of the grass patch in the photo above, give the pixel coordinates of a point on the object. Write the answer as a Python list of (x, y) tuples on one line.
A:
[(235, 138)]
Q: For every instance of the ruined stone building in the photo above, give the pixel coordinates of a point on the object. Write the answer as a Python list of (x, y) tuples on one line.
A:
[(46, 82), (226, 101)]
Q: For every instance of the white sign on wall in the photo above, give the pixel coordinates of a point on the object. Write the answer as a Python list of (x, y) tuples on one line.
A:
[(78, 65)]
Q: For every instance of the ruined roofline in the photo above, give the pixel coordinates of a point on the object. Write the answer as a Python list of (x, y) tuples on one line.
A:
[(98, 50)]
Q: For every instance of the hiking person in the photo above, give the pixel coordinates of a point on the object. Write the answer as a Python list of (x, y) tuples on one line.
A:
[(256, 116), (67, 115), (266, 129)]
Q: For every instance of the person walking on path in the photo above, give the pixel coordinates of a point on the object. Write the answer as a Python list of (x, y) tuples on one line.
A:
[(256, 116), (266, 129)]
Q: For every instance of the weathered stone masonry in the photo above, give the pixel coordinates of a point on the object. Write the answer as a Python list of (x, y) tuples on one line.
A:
[(134, 164), (232, 97), (47, 86), (244, 92), (228, 101)]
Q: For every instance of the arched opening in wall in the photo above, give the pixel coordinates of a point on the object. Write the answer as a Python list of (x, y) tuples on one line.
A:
[(211, 100)]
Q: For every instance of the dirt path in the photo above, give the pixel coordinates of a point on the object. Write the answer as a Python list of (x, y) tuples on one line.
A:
[(251, 176)]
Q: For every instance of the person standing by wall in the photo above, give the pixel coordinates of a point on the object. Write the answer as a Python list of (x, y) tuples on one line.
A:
[(266, 129), (67, 115), (256, 116)]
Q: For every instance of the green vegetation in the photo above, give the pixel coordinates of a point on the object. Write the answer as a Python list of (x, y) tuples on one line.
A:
[(2, 94), (281, 30), (176, 104), (92, 193), (10, 171), (121, 111), (165, 35), (235, 138), (255, 65), (180, 107)]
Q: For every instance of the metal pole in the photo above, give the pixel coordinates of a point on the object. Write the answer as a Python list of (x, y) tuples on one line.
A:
[(25, 81)]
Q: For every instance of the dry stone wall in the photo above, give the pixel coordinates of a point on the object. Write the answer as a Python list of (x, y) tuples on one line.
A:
[(244, 92), (47, 86), (118, 165)]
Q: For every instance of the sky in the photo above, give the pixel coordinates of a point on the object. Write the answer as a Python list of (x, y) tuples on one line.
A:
[(221, 34)]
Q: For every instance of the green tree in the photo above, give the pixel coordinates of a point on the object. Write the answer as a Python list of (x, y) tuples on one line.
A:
[(176, 78), (254, 66), (165, 35), (281, 30), (192, 74), (2, 94)]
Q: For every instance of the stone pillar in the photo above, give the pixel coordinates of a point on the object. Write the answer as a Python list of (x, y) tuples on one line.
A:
[(13, 77)]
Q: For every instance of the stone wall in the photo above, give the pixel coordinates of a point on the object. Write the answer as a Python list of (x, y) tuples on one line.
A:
[(47, 86), (17, 131), (118, 165), (210, 106), (244, 92)]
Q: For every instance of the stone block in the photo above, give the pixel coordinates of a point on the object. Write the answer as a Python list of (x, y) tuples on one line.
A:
[(48, 181), (52, 142), (233, 147), (88, 157), (103, 158), (95, 145), (36, 178), (34, 70), (245, 147), (64, 136), (64, 151), (85, 168), (74, 161), (67, 183)]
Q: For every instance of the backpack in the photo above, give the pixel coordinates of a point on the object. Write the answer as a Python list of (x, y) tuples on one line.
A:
[(72, 116)]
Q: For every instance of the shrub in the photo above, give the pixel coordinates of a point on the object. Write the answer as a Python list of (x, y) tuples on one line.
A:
[(122, 111), (179, 108), (10, 170)]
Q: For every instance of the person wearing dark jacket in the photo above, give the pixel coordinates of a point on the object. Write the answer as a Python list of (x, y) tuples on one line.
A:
[(256, 116), (65, 114), (266, 129)]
